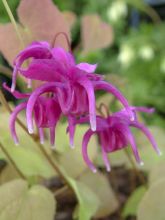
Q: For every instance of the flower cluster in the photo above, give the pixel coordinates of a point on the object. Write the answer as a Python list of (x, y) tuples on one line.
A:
[(68, 89)]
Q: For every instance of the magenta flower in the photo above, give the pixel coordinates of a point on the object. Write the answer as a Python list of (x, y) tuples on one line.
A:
[(114, 134), (57, 67), (47, 113)]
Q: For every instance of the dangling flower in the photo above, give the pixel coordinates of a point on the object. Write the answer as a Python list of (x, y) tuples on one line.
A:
[(56, 65), (47, 113), (114, 134)]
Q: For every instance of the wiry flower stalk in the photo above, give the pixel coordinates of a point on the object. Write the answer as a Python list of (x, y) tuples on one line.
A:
[(13, 22), (12, 161)]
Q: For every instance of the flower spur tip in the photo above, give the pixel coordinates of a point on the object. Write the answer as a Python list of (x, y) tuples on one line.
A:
[(29, 86), (72, 146), (31, 131), (132, 118), (141, 163), (108, 169), (93, 127), (159, 152), (12, 88), (94, 170)]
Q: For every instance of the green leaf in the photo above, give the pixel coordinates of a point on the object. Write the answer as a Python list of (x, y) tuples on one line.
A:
[(22, 203), (157, 171), (152, 205), (88, 201), (99, 185), (30, 163), (133, 201)]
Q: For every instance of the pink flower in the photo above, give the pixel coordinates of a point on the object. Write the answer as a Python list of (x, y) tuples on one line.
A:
[(55, 65), (114, 134), (47, 113)]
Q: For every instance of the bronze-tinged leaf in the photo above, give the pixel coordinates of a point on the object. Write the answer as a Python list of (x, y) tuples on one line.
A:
[(10, 45), (70, 18), (43, 20), (95, 33)]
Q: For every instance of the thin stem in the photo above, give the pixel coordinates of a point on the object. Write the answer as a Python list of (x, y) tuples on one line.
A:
[(139, 175), (12, 161), (60, 191), (6, 71), (153, 14), (35, 139), (66, 37), (13, 22), (53, 164), (101, 109)]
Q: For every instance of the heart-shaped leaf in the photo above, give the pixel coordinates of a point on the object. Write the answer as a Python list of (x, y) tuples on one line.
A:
[(38, 22), (99, 184), (22, 203), (152, 205), (44, 22), (96, 34), (70, 18)]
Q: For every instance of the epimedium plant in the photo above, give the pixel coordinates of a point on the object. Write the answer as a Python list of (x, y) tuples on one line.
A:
[(63, 89)]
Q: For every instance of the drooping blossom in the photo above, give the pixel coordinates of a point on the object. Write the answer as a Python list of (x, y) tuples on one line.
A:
[(57, 67), (114, 134), (47, 113)]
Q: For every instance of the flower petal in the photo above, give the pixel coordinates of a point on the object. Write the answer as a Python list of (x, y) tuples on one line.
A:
[(65, 99), (63, 57), (71, 130), (92, 103), (13, 118), (105, 159), (33, 51), (143, 109), (16, 94), (112, 89), (48, 87), (52, 136), (148, 135), (86, 139), (41, 135), (44, 70), (89, 68), (132, 142)]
